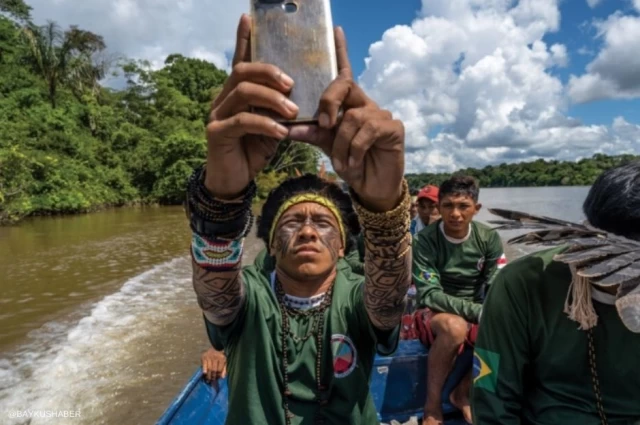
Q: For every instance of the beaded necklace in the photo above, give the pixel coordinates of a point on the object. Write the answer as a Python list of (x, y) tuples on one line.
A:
[(316, 329)]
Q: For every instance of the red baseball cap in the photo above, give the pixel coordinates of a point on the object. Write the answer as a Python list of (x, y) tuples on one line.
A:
[(429, 192)]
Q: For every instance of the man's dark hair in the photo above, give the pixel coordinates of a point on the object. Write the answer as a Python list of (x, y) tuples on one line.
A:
[(309, 183), (613, 202), (461, 186)]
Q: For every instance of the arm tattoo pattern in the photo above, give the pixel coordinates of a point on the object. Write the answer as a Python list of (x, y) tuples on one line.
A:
[(387, 279), (220, 295)]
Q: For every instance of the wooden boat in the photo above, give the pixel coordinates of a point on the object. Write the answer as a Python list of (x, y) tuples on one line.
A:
[(398, 387)]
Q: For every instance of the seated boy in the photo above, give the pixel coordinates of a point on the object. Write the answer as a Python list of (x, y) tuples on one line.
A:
[(453, 261)]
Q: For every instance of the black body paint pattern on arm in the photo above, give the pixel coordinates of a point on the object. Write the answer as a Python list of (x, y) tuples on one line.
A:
[(220, 294), (387, 280)]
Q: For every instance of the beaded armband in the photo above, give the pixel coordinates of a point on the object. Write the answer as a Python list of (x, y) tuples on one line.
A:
[(216, 256), (214, 219), (389, 229), (219, 226)]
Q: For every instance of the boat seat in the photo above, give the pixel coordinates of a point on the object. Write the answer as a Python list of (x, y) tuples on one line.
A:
[(398, 383)]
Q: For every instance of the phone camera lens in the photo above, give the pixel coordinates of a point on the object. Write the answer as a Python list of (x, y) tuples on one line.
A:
[(290, 7)]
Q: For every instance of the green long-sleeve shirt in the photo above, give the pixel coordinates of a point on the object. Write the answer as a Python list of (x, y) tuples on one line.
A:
[(531, 363), (254, 346), (451, 275)]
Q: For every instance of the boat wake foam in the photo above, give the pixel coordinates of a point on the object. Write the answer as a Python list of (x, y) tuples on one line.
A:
[(83, 363)]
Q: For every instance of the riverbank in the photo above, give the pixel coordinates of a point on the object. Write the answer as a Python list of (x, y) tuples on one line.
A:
[(4, 222)]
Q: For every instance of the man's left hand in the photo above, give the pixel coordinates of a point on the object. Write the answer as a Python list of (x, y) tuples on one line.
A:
[(365, 144)]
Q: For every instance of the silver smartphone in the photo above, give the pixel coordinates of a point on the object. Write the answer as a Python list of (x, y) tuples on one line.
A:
[(297, 36)]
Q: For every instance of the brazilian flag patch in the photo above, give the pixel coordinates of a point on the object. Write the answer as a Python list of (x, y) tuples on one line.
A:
[(485, 369)]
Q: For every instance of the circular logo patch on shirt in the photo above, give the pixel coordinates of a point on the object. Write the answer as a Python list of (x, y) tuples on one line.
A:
[(345, 356)]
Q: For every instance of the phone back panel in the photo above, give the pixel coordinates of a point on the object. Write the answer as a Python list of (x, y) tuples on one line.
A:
[(301, 43)]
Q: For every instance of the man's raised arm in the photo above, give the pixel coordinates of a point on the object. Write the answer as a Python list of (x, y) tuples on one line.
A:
[(387, 263), (240, 144)]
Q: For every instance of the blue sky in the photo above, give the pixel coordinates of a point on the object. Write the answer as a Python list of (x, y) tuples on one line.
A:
[(576, 32), (365, 21), (476, 82)]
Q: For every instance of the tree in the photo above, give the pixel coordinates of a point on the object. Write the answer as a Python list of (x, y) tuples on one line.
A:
[(292, 156), (8, 30), (194, 78), (88, 63), (536, 173), (15, 178), (64, 58), (17, 9)]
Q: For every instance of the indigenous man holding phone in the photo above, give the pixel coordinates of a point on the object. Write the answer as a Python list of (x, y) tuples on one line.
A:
[(301, 339)]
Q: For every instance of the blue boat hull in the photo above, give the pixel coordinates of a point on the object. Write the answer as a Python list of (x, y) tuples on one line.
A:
[(398, 387)]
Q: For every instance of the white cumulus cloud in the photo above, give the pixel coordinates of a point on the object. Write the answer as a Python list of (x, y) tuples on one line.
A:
[(473, 82), (615, 71), (153, 29)]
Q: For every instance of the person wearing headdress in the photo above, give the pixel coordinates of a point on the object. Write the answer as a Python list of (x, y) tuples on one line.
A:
[(559, 340), (300, 337), (354, 258)]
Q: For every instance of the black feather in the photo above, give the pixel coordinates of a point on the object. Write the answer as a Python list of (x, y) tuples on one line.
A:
[(631, 272), (605, 258), (609, 265)]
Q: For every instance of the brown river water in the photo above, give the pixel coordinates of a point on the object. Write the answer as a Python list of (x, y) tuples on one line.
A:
[(98, 316)]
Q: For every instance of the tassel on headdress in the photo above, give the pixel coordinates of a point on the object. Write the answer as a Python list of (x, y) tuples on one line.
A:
[(578, 305)]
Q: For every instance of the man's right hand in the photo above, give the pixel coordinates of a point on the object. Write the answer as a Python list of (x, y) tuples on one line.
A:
[(241, 143)]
